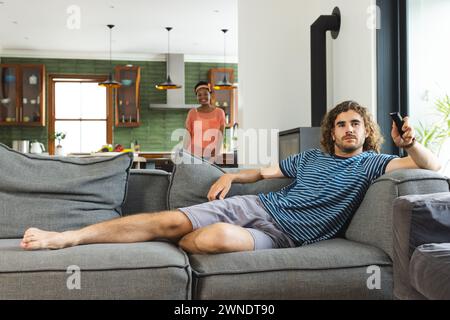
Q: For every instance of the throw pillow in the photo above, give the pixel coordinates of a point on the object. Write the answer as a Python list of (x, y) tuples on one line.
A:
[(192, 177), (59, 193)]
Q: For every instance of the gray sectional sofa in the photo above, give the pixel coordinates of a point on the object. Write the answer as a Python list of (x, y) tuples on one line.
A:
[(357, 265)]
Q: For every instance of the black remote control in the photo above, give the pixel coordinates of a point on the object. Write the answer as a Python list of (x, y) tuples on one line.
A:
[(397, 118)]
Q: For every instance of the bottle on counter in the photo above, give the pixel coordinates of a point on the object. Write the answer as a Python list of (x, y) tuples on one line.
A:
[(137, 147)]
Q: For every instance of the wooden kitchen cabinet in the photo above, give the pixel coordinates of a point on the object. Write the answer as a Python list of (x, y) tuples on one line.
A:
[(127, 96), (225, 99), (22, 95)]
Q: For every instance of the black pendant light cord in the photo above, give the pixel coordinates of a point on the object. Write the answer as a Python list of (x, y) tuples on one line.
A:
[(168, 50), (110, 26), (224, 55)]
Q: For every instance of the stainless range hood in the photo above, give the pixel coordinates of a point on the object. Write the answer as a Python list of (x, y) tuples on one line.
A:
[(175, 97)]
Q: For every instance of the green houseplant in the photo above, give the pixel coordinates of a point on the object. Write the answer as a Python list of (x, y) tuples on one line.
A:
[(59, 136), (433, 136)]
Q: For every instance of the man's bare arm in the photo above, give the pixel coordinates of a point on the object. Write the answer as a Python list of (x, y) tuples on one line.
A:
[(223, 185), (249, 176), (419, 157)]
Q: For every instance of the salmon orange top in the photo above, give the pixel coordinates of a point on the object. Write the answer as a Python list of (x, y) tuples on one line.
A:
[(204, 128)]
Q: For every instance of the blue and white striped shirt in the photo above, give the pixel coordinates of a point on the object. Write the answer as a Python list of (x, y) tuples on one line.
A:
[(325, 194)]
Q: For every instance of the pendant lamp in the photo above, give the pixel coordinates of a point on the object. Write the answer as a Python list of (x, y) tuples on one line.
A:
[(224, 84), (168, 84), (110, 82)]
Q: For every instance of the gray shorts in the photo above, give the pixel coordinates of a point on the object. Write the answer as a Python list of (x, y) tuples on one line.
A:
[(245, 211)]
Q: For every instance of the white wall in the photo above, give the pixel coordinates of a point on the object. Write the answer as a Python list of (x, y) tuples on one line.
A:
[(274, 69), (353, 67), (274, 61)]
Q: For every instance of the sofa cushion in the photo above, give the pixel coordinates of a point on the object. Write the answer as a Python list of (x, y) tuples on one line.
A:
[(429, 270), (146, 270), (192, 178), (372, 222), (331, 269), (59, 193)]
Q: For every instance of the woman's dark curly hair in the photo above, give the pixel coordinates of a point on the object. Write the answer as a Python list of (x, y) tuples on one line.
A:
[(374, 139)]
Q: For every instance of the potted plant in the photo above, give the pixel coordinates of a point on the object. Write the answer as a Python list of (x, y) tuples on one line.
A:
[(434, 135), (59, 148)]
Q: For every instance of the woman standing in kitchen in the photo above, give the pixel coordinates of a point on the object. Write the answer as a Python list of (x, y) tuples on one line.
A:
[(205, 125)]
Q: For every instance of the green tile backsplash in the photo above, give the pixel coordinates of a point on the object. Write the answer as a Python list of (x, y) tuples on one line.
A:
[(156, 128)]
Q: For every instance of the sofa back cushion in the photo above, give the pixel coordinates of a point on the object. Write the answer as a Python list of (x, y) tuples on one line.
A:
[(147, 191), (59, 193), (192, 178), (372, 222)]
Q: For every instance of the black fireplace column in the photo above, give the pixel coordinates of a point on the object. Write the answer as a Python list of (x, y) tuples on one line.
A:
[(319, 62)]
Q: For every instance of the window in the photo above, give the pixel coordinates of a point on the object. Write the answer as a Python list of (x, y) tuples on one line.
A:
[(391, 67), (428, 69), (412, 68), (80, 108)]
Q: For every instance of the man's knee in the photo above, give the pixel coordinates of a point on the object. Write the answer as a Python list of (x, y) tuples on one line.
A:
[(216, 238), (175, 223)]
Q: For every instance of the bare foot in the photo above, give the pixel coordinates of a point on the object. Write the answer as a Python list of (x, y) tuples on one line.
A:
[(35, 239)]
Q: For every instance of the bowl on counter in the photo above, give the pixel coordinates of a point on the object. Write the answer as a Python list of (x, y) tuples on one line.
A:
[(127, 82)]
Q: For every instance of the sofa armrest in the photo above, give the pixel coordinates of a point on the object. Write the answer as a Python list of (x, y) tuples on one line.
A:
[(147, 191), (372, 222), (417, 220)]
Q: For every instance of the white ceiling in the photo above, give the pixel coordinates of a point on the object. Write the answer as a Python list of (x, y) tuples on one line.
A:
[(39, 28)]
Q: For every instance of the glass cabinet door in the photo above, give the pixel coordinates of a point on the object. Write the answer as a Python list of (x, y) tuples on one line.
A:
[(225, 99), (22, 89), (31, 94), (127, 102), (8, 94)]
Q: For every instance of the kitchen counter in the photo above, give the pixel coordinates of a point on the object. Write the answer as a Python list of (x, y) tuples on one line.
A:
[(163, 160), (155, 154)]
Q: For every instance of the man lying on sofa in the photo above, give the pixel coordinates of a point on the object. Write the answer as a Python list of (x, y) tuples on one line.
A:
[(329, 186)]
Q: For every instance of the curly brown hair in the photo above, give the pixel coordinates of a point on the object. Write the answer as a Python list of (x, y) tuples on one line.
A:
[(374, 139)]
